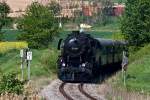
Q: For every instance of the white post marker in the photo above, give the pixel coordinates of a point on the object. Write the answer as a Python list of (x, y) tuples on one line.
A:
[(124, 66), (29, 58), (22, 61)]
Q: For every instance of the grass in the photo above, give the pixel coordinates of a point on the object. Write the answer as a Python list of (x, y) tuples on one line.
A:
[(138, 72), (10, 62), (11, 35)]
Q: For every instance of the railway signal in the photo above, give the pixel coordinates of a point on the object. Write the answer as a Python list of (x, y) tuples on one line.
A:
[(29, 58), (26, 57), (22, 63)]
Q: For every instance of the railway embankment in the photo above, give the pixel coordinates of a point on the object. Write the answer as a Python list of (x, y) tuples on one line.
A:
[(138, 72)]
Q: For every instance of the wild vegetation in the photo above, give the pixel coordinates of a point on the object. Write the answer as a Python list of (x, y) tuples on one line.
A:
[(39, 25), (4, 10), (136, 22), (137, 75), (10, 84)]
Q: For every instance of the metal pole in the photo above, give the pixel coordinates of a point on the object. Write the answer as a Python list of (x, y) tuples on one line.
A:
[(28, 70), (22, 68)]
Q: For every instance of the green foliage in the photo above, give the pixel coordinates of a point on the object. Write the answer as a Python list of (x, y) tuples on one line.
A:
[(137, 75), (1, 36), (39, 25), (4, 10), (39, 64), (49, 60), (9, 83), (139, 54), (136, 22)]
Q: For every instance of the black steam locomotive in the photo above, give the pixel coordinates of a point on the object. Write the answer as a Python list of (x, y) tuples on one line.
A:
[(83, 56)]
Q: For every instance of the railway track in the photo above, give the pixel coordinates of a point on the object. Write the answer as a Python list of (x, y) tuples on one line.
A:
[(81, 89), (62, 91)]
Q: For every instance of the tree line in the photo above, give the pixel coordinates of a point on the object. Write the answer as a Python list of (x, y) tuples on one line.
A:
[(40, 26)]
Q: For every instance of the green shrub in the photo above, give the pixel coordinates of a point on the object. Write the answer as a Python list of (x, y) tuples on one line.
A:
[(9, 83)]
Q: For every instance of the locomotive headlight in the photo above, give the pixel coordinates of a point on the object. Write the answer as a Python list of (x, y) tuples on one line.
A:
[(63, 64), (83, 65)]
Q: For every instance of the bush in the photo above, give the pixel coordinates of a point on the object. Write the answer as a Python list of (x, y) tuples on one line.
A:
[(9, 83)]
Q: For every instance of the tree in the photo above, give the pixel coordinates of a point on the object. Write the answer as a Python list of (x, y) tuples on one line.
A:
[(39, 25), (135, 24), (4, 11)]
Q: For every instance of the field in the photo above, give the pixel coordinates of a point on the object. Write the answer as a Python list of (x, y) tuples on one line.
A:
[(7, 46), (137, 75), (11, 35), (10, 62)]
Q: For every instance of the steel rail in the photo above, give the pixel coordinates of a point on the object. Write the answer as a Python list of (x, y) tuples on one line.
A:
[(80, 87), (62, 91)]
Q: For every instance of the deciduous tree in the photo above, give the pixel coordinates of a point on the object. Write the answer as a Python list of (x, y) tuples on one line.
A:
[(39, 25), (135, 23), (4, 11)]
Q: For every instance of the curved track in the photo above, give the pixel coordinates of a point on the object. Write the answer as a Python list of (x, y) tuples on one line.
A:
[(81, 89), (80, 86), (62, 91)]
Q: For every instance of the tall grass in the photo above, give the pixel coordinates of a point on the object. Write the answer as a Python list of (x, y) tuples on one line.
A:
[(139, 54), (137, 75), (49, 60)]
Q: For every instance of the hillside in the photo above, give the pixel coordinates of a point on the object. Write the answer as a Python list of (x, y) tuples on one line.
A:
[(138, 72), (41, 65)]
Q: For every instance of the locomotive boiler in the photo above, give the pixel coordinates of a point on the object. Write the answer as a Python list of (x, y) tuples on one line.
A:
[(82, 56)]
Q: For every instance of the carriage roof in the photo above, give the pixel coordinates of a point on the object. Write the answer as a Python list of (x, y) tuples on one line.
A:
[(109, 42)]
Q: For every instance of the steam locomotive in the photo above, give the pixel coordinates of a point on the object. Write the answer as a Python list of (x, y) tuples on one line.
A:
[(83, 56)]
